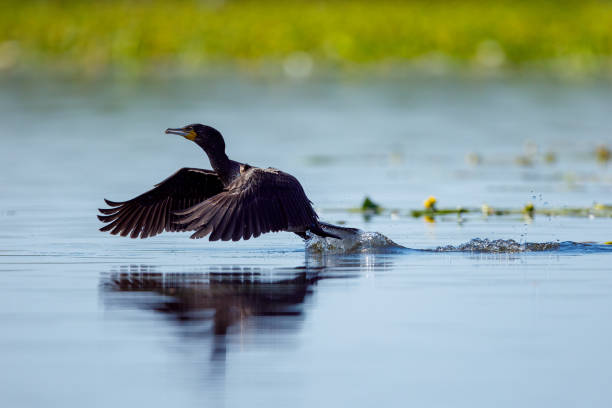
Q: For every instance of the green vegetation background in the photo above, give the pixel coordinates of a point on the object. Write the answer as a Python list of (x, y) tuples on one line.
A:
[(154, 35)]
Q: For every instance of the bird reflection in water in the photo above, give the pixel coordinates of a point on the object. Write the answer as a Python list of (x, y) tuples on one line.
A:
[(225, 301)]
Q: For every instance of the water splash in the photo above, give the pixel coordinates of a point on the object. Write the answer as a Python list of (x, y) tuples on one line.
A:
[(357, 242), (354, 241), (499, 246)]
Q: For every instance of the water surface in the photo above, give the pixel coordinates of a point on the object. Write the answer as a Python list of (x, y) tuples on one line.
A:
[(91, 319)]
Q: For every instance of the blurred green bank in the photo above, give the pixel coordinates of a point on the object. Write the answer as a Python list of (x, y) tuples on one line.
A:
[(300, 38)]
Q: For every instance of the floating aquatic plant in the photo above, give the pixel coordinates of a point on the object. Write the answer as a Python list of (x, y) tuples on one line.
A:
[(550, 157), (430, 210), (603, 154), (524, 161), (529, 209), (486, 210), (370, 206)]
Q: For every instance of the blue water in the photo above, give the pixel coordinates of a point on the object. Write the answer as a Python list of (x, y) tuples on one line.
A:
[(451, 319)]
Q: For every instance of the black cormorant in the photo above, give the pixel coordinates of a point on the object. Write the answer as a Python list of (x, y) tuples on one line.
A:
[(233, 201)]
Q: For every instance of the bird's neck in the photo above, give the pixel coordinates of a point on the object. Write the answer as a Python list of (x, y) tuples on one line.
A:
[(225, 168)]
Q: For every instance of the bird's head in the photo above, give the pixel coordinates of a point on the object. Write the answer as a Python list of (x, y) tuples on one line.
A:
[(207, 137)]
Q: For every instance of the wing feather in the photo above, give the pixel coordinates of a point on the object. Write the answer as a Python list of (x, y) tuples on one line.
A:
[(231, 222), (149, 222), (154, 221), (125, 219), (164, 213), (238, 231), (154, 211), (220, 219), (253, 222)]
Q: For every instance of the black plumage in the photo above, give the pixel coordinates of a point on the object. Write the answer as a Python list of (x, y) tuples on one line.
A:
[(235, 201)]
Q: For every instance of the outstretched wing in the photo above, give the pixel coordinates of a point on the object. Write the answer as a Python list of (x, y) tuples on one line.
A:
[(260, 201), (154, 211)]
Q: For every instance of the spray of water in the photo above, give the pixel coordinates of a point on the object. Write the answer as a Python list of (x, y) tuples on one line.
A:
[(354, 241), (499, 246), (357, 242)]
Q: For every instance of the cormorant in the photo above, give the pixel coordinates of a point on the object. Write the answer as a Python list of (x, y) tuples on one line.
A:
[(233, 201)]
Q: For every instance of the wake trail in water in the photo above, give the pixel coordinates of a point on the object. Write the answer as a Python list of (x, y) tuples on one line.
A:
[(356, 241), (499, 246)]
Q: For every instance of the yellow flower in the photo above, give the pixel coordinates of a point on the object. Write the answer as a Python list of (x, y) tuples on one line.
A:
[(430, 203), (529, 209)]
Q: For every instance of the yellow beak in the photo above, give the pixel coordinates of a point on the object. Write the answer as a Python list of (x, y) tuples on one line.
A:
[(187, 134)]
